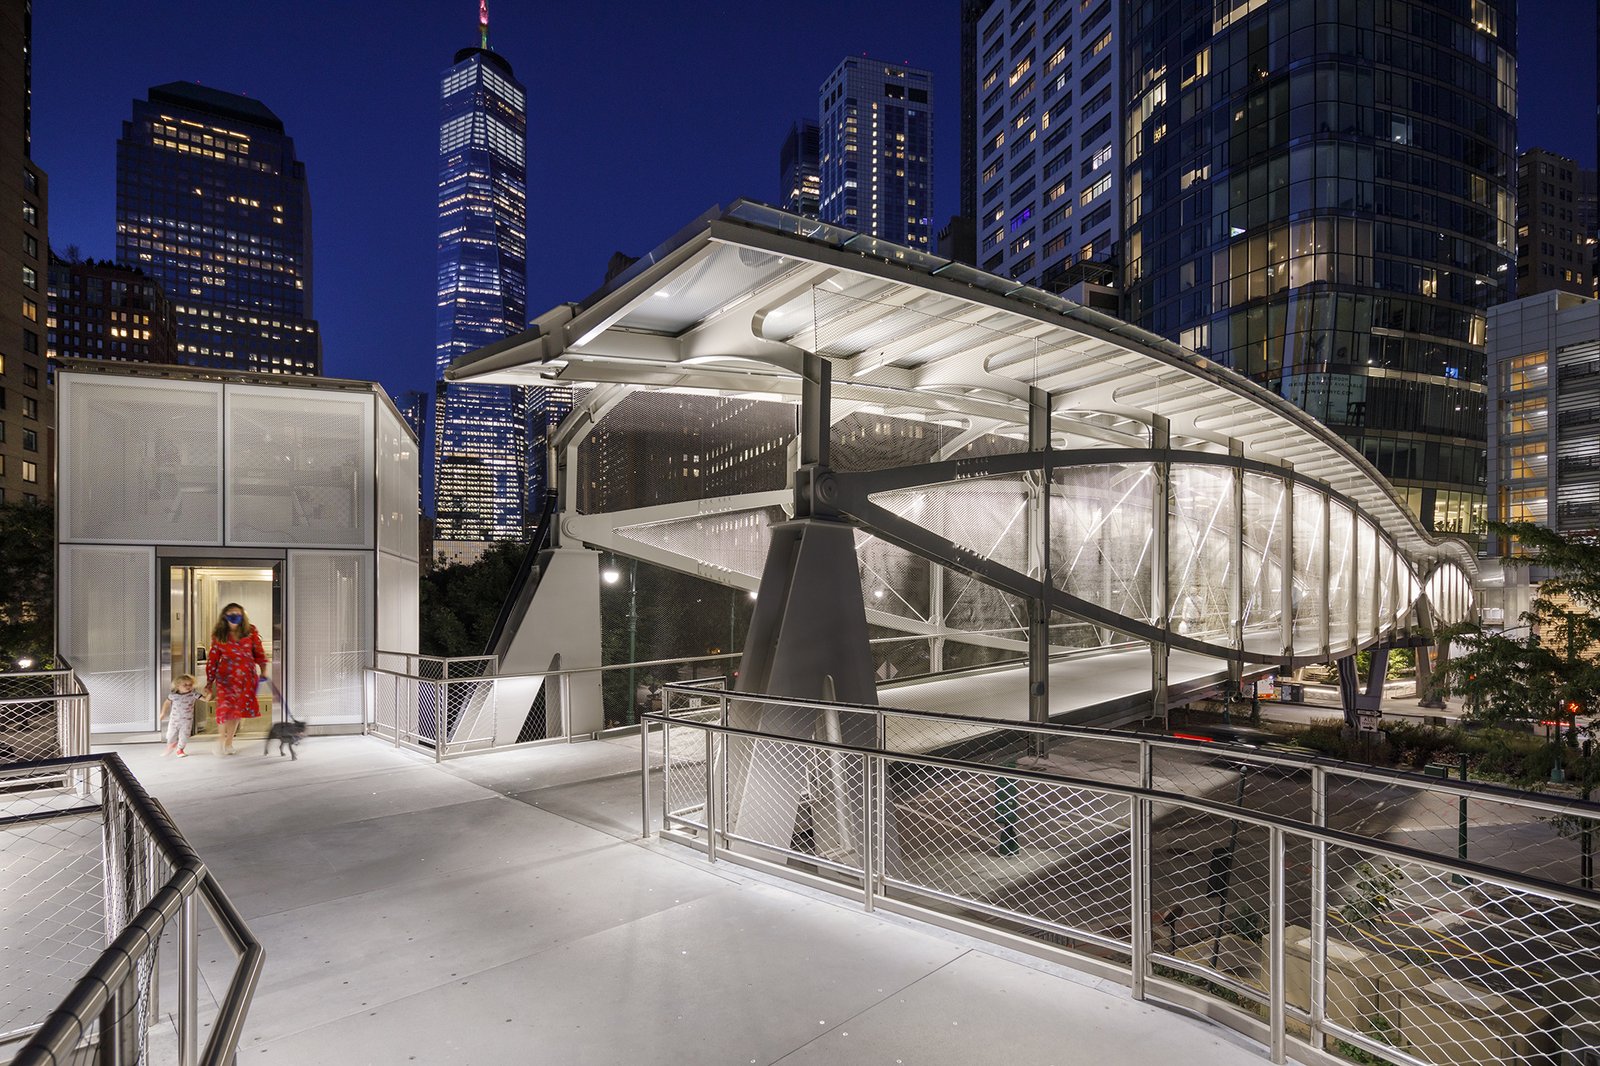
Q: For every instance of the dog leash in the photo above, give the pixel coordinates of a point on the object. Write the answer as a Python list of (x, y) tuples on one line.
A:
[(277, 694)]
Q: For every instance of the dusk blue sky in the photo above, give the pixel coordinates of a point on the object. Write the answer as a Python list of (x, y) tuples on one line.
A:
[(641, 115)]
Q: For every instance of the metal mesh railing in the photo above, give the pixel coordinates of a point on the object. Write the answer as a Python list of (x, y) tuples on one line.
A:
[(452, 707), (1309, 902), (96, 881), (1546, 837), (44, 714)]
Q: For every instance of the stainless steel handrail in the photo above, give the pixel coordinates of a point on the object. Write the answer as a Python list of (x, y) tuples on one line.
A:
[(1262, 819), (715, 835), (64, 1029), (1444, 786)]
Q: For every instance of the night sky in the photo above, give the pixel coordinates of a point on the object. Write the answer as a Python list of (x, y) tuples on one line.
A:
[(641, 115)]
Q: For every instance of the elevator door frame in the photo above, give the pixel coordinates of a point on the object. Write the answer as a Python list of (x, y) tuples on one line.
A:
[(277, 651)]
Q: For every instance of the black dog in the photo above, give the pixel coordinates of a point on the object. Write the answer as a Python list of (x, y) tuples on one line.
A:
[(287, 733)]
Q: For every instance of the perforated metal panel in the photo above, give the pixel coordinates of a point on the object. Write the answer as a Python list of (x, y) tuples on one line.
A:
[(104, 625), (988, 516), (1309, 530), (1102, 539), (1341, 572), (330, 634), (141, 461), (299, 467), (1366, 579), (667, 447), (1263, 556), (1202, 526), (399, 480), (398, 606), (735, 540)]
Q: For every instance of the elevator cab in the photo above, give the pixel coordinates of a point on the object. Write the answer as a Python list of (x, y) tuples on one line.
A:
[(194, 593)]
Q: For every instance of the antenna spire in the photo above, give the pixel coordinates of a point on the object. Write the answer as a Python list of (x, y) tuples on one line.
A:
[(483, 23)]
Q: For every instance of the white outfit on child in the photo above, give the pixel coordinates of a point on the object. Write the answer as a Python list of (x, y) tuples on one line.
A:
[(180, 722)]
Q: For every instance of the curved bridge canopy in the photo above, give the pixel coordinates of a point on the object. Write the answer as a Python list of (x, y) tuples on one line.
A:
[(994, 445)]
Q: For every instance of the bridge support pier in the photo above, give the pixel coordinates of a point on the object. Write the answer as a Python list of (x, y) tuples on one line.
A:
[(1351, 697)]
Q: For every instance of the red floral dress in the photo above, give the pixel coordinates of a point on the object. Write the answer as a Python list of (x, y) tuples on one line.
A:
[(231, 669)]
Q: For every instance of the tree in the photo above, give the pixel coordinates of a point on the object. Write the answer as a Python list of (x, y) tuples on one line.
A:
[(27, 582), (1546, 666), (460, 602)]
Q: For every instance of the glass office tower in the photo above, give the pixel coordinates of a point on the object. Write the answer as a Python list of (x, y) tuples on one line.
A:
[(876, 153), (1319, 194), (213, 204), (1047, 131), (481, 431), (799, 183)]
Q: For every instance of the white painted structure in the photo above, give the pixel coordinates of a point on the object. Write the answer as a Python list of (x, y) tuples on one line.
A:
[(1021, 474), (181, 489)]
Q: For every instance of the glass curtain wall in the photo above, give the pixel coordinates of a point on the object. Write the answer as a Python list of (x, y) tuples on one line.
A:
[(1320, 196)]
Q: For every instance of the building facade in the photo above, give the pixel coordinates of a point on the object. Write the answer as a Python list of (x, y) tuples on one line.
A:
[(183, 490), (972, 11), (214, 205), (876, 150), (1553, 250), (27, 403), (1589, 222), (547, 406), (1544, 412), (1048, 125), (480, 434), (1320, 196), (799, 182), (100, 310), (413, 406)]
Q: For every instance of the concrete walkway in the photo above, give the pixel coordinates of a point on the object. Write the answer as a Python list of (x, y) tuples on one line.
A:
[(500, 909)]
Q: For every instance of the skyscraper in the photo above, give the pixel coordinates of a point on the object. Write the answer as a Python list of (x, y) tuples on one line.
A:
[(27, 402), (877, 150), (972, 12), (213, 204), (1320, 196), (481, 431), (1047, 129), (799, 183), (547, 406), (105, 311), (1552, 227), (1544, 411)]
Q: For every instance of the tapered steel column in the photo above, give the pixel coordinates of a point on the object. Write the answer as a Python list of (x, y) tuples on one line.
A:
[(1160, 585), (1039, 528)]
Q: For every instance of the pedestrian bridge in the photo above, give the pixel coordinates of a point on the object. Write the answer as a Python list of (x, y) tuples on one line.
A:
[(946, 489)]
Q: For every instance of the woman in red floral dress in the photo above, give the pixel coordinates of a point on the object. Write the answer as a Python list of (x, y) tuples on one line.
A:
[(234, 667)]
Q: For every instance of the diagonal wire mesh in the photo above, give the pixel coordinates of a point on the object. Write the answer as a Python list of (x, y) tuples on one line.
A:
[(1054, 857), (53, 916), (796, 799), (684, 771), (78, 865), (1421, 962), (1209, 899), (1451, 969), (43, 715)]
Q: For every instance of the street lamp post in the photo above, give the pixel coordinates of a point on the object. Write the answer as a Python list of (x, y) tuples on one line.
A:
[(633, 637)]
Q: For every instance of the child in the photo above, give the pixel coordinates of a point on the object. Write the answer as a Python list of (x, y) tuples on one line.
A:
[(180, 705)]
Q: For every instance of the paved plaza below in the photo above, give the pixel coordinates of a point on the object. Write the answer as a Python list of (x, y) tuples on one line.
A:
[(501, 909)]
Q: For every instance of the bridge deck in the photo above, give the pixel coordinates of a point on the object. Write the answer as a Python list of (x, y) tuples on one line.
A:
[(1104, 688), (499, 909)]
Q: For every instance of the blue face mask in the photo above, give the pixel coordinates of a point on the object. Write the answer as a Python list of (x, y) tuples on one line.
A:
[(234, 619)]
